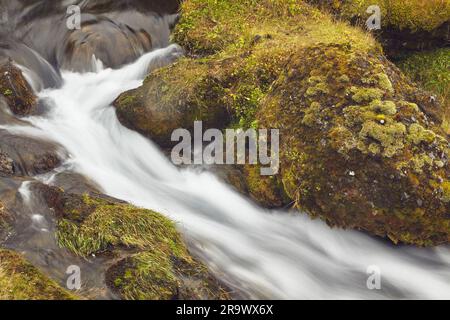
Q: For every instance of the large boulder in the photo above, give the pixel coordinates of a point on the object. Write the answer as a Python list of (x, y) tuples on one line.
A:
[(361, 146)]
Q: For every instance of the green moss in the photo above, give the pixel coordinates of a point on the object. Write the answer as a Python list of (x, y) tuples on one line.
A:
[(147, 276), (111, 224), (157, 264), (431, 69), (19, 280), (446, 191), (319, 88), (265, 190), (414, 15), (354, 169), (384, 83), (312, 114)]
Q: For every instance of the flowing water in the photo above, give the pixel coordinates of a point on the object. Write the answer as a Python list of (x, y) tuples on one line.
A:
[(260, 253)]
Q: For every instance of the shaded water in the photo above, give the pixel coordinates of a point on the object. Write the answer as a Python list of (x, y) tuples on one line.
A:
[(260, 253)]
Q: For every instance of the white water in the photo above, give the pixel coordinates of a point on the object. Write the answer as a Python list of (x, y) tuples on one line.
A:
[(263, 254)]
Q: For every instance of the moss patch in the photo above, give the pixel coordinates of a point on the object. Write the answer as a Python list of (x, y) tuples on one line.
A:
[(431, 69), (414, 15), (19, 280), (156, 252)]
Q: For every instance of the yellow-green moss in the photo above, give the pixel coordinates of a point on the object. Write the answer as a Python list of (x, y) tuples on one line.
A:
[(312, 114), (19, 280), (111, 224), (414, 15), (446, 191), (431, 69), (157, 264)]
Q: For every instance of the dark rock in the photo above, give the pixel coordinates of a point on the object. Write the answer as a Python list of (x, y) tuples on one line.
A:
[(29, 156), (16, 90)]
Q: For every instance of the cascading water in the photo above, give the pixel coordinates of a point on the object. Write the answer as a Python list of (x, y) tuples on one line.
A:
[(262, 254)]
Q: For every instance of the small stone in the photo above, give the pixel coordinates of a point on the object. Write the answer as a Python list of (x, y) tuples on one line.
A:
[(352, 173)]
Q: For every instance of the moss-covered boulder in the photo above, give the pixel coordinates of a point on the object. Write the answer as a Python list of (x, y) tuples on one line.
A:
[(19, 280), (361, 146), (16, 90), (150, 259), (412, 24), (360, 153)]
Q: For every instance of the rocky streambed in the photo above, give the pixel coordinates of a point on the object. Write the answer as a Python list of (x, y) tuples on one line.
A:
[(363, 147)]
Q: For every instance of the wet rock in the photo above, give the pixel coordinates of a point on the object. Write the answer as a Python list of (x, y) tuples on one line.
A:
[(37, 71), (29, 156), (114, 37), (16, 90), (76, 183)]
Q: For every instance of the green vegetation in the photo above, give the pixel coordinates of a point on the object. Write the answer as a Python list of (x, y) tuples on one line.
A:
[(156, 263), (341, 105), (414, 15), (431, 70), (19, 280)]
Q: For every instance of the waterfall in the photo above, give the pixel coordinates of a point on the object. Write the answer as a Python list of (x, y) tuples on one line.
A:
[(260, 253)]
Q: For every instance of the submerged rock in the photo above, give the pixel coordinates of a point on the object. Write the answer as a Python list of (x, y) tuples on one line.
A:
[(19, 280), (361, 146)]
